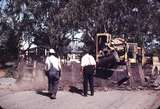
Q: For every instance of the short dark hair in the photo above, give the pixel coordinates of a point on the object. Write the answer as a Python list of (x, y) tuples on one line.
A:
[(90, 52), (51, 53)]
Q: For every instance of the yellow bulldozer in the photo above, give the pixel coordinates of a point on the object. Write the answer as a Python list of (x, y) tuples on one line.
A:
[(110, 49), (114, 52)]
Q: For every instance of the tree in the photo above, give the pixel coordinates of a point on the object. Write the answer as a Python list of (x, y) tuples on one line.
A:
[(129, 18), (39, 20), (49, 21)]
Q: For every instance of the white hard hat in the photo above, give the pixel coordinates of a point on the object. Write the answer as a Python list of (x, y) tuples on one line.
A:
[(51, 51)]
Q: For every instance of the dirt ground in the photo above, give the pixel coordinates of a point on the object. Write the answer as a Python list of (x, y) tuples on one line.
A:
[(110, 99), (26, 93)]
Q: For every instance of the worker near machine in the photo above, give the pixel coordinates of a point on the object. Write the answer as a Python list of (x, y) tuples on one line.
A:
[(88, 65), (53, 67)]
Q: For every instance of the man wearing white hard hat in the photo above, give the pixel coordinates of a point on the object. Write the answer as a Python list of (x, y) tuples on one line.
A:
[(53, 67), (51, 51)]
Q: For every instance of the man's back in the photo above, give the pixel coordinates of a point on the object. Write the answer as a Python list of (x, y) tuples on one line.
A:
[(87, 59), (52, 60)]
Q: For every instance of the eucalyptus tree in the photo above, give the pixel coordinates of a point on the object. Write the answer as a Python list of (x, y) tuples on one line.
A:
[(38, 22), (49, 21), (133, 19)]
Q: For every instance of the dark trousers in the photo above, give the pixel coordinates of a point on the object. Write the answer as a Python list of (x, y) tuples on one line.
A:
[(88, 78), (52, 84)]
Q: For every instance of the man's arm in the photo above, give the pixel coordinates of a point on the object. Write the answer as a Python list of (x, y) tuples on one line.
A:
[(46, 64), (81, 72)]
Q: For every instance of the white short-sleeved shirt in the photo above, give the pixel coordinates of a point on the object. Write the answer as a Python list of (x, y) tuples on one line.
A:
[(87, 60), (55, 62)]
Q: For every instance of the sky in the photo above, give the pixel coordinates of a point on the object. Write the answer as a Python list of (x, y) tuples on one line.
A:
[(2, 3)]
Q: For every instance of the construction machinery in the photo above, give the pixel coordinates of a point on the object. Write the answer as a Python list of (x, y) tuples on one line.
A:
[(114, 52), (108, 49)]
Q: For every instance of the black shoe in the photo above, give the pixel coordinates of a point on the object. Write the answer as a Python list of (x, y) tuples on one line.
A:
[(85, 95), (53, 96), (92, 94)]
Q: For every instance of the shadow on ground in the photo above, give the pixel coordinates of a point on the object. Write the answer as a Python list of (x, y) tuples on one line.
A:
[(43, 93), (74, 89), (158, 107), (1, 107)]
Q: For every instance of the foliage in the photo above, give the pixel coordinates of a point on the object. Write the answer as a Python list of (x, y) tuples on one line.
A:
[(48, 21)]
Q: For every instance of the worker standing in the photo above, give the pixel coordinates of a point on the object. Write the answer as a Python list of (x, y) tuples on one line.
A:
[(88, 65), (53, 67)]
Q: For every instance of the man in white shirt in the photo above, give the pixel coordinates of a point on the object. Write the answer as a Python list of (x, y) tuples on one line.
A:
[(88, 65), (53, 67)]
